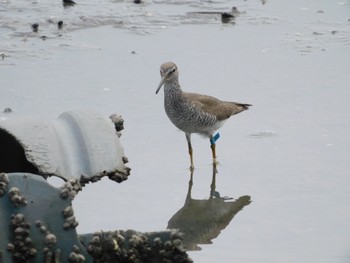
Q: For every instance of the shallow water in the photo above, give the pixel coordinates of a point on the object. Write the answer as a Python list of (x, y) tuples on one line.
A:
[(288, 153)]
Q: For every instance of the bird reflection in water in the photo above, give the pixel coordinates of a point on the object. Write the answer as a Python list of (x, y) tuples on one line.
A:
[(202, 220)]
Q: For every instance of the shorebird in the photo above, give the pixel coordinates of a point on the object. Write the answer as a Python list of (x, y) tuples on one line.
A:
[(192, 112)]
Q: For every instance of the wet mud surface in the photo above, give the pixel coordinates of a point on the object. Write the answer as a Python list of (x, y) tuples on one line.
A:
[(287, 157)]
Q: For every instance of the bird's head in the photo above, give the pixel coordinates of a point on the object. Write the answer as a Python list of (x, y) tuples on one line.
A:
[(168, 72)]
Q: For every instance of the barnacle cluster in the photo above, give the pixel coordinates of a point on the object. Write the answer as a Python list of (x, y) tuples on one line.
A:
[(75, 256), (120, 176), (4, 181), (116, 175), (70, 189), (131, 247), (16, 197), (69, 221), (118, 123), (52, 257), (170, 249), (106, 246), (50, 242), (21, 246)]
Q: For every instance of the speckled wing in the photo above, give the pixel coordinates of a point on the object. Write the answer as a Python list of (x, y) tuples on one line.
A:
[(221, 109)]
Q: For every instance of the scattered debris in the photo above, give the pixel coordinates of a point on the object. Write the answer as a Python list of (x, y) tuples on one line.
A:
[(60, 24), (35, 27), (226, 17), (7, 110), (67, 3)]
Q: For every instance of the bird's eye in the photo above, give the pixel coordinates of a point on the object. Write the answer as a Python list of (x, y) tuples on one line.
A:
[(170, 72)]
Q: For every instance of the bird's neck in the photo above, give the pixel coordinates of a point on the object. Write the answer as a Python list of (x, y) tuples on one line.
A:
[(172, 89)]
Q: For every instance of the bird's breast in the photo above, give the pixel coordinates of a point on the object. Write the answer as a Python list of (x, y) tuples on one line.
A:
[(188, 117)]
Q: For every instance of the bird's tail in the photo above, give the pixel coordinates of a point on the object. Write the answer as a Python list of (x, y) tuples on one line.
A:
[(245, 106), (239, 107)]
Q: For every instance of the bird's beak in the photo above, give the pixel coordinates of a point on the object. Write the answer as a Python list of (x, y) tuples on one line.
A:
[(160, 84)]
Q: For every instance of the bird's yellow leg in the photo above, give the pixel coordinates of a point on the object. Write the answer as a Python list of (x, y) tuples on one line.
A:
[(213, 150), (190, 151), (213, 181)]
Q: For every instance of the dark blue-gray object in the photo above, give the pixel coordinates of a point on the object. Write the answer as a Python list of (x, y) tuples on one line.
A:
[(32, 230), (38, 225)]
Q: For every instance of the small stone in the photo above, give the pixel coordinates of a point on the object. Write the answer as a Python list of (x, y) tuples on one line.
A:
[(60, 24), (67, 3), (7, 110), (35, 27)]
